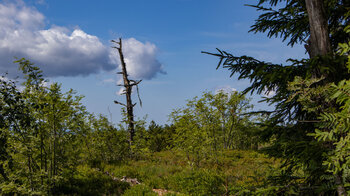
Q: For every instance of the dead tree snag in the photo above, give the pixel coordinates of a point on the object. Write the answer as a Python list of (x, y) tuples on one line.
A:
[(128, 85)]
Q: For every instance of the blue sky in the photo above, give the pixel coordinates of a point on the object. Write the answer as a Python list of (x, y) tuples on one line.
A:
[(163, 39)]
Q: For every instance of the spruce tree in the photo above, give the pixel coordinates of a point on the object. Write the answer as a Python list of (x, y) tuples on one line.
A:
[(319, 26)]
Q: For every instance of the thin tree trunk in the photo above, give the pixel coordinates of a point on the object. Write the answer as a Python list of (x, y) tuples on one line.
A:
[(223, 129), (230, 133), (128, 84), (128, 90), (53, 149)]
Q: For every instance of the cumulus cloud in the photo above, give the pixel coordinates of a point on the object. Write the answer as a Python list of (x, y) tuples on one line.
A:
[(140, 59), (58, 51), (226, 89)]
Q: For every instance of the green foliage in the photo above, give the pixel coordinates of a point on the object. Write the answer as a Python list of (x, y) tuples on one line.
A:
[(87, 181), (103, 143), (140, 190), (331, 103), (140, 145), (197, 182), (278, 23), (211, 123), (50, 145), (160, 137), (289, 20), (335, 127), (302, 93), (235, 171), (42, 137)]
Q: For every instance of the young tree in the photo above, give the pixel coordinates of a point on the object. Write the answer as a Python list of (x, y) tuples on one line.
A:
[(212, 123), (11, 118), (103, 143), (39, 128), (159, 137)]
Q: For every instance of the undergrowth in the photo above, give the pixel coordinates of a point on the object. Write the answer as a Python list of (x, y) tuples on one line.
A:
[(232, 172)]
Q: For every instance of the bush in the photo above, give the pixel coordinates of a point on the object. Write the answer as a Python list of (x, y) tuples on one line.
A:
[(198, 182), (87, 181), (141, 190)]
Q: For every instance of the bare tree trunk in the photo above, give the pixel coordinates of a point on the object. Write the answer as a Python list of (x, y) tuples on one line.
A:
[(319, 42), (128, 90), (128, 84)]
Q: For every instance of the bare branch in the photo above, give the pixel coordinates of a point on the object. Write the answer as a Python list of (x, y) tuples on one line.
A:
[(135, 82), (117, 102)]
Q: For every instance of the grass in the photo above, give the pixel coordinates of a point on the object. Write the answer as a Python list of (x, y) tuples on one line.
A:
[(228, 173)]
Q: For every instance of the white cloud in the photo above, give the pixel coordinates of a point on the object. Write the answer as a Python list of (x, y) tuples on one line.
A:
[(140, 59), (226, 89), (58, 51)]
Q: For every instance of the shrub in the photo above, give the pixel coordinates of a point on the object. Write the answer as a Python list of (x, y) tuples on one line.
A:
[(87, 181), (198, 182), (141, 190)]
